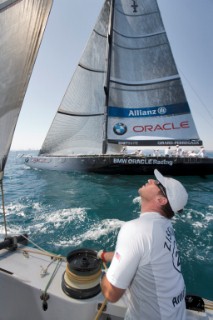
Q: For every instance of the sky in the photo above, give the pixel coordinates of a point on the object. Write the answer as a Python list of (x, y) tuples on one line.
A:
[(189, 26)]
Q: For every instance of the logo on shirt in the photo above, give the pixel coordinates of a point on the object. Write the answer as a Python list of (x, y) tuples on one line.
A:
[(170, 245)]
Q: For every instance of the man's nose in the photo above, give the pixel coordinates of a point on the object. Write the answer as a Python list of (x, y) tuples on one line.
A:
[(151, 181)]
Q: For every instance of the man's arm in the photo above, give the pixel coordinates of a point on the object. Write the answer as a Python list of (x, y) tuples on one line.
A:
[(106, 256), (110, 292)]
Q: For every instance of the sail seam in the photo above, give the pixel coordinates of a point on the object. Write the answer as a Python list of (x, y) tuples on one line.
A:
[(144, 83), (140, 36), (145, 89), (141, 48), (137, 15)]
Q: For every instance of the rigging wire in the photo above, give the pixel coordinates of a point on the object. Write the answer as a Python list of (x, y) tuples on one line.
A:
[(198, 97)]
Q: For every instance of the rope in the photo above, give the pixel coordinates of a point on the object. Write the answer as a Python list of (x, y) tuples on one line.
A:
[(208, 304), (73, 277), (52, 277), (101, 309), (99, 313), (3, 208), (45, 295), (42, 251)]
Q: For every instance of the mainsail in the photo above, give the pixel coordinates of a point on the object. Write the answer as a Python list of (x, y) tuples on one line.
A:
[(22, 23), (147, 104), (126, 89)]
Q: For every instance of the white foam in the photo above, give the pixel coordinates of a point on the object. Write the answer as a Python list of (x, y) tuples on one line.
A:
[(65, 216), (197, 224), (15, 209), (95, 231), (107, 226), (208, 217), (137, 200)]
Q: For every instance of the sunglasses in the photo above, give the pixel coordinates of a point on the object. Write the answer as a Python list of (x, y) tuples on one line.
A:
[(161, 187)]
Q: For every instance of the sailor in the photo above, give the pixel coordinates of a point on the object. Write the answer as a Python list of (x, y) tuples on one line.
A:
[(123, 150), (146, 265), (137, 152), (201, 153), (168, 152), (156, 153), (178, 151), (140, 152), (192, 154)]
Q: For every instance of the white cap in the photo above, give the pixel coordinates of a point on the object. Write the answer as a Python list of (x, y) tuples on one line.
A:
[(175, 191)]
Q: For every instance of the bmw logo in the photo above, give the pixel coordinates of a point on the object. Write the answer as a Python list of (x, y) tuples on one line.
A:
[(120, 128), (162, 110)]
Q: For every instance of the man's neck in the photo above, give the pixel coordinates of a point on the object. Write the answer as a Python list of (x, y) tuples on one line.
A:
[(150, 207)]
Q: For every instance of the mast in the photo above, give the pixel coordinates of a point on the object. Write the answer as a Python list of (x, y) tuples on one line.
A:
[(106, 86)]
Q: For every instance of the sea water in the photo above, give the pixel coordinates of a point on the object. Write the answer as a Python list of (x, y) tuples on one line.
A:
[(61, 212)]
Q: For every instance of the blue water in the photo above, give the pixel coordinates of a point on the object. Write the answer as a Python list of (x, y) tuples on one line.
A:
[(61, 212)]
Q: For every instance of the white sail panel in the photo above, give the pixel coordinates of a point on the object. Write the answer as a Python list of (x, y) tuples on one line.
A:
[(79, 129), (145, 96), (21, 28)]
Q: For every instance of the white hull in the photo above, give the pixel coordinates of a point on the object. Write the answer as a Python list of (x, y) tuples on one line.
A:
[(22, 286)]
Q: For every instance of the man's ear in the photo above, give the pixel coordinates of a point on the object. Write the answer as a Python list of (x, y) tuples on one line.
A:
[(162, 200)]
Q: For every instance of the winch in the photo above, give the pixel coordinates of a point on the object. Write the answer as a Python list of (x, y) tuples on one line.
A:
[(81, 280)]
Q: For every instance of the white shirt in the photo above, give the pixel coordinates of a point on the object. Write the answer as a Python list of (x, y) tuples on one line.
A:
[(168, 152), (146, 261)]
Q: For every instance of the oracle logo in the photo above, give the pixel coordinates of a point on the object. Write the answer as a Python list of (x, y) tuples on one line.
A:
[(161, 127)]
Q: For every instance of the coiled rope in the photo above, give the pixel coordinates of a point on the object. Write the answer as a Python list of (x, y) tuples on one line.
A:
[(208, 304), (79, 279)]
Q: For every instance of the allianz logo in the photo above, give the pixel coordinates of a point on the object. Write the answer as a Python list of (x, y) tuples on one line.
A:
[(162, 110), (141, 112)]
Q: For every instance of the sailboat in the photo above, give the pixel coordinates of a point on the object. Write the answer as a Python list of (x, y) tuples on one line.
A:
[(126, 92), (36, 284)]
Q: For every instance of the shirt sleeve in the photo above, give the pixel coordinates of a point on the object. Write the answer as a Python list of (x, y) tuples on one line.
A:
[(126, 258)]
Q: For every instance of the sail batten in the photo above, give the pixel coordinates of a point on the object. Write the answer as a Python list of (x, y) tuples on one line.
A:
[(90, 69), (148, 82), (142, 35), (80, 114)]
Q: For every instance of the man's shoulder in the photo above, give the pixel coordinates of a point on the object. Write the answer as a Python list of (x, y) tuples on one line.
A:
[(131, 224)]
